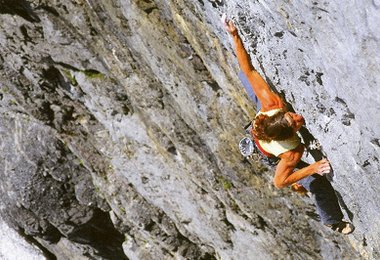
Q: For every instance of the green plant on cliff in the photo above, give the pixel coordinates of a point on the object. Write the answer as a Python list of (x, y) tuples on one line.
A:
[(227, 185), (93, 74), (70, 77)]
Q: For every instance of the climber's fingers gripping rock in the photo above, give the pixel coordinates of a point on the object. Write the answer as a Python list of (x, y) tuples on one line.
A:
[(322, 167), (229, 25)]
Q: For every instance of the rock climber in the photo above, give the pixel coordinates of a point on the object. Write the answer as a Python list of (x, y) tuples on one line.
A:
[(274, 129)]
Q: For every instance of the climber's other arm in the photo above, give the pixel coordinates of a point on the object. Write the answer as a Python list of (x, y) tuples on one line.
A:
[(267, 97)]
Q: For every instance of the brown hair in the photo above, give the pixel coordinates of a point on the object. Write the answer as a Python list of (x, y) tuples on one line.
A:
[(268, 128)]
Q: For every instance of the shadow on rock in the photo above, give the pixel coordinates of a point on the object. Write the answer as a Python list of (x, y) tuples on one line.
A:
[(19, 7)]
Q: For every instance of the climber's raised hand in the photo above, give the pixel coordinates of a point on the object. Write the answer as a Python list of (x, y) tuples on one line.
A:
[(229, 25)]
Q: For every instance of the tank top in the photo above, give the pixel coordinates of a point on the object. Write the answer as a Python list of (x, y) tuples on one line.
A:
[(278, 147)]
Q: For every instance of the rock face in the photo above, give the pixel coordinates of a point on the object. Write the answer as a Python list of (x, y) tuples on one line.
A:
[(120, 122)]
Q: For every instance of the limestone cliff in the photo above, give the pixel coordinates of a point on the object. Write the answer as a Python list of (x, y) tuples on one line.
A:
[(120, 122)]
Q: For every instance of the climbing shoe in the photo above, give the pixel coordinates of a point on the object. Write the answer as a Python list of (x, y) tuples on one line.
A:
[(299, 189), (342, 227)]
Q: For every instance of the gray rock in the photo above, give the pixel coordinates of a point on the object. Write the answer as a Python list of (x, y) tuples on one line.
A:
[(120, 121)]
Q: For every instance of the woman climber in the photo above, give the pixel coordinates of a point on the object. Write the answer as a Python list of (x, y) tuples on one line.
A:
[(275, 129)]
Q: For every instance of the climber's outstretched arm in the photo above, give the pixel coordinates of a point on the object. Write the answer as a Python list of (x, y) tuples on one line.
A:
[(267, 97), (285, 174)]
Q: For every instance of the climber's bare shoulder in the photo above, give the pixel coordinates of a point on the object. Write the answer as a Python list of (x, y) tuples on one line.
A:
[(272, 101), (292, 157)]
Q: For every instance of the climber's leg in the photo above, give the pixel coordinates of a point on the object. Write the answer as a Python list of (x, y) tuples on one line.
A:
[(249, 90), (325, 198)]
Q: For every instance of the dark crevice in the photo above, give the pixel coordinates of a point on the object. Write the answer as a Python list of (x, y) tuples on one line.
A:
[(320, 9), (49, 9), (149, 227), (92, 73), (126, 104), (348, 116), (375, 141), (214, 85), (216, 3), (66, 66), (279, 34), (229, 225), (318, 77), (21, 8), (24, 32), (191, 250), (47, 113), (100, 233), (172, 150), (55, 78), (313, 215), (341, 101), (292, 33), (149, 10), (260, 223), (346, 119)]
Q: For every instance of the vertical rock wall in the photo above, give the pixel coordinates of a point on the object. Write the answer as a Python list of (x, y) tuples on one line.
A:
[(120, 122)]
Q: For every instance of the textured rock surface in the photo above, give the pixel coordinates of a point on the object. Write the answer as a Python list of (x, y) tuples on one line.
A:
[(14, 246), (120, 119)]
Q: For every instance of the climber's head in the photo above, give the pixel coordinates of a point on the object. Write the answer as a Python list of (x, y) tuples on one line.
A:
[(295, 120), (280, 126)]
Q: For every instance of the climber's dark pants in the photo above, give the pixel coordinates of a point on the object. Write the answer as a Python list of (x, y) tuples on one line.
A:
[(326, 200)]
